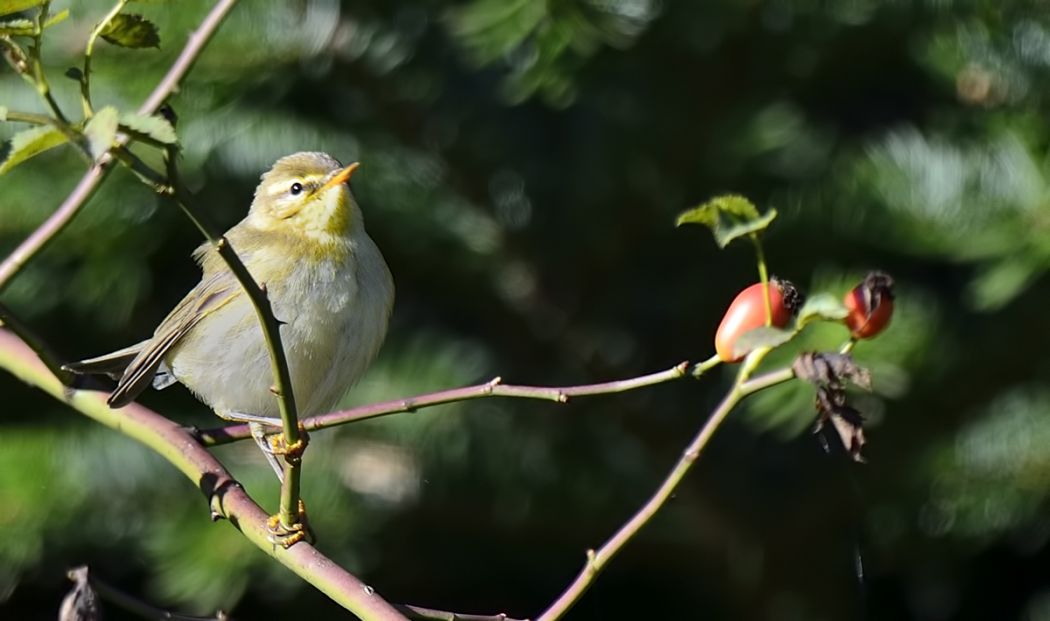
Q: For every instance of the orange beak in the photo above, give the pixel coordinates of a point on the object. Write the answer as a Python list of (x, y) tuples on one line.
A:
[(340, 176)]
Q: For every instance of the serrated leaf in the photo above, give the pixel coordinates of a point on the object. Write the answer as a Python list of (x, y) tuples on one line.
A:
[(101, 130), (26, 144), (729, 217), (763, 336), (57, 18), (821, 307), (17, 27), (154, 127), (13, 6), (131, 30)]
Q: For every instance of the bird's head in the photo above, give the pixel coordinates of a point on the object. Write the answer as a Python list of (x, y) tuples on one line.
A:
[(306, 194)]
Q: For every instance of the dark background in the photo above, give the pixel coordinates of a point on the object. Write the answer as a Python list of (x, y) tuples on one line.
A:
[(523, 162)]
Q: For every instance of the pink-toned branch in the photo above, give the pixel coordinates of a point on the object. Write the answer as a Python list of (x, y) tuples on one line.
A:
[(225, 496), (418, 613), (492, 388)]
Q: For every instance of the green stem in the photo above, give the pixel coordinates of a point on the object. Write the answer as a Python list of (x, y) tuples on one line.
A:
[(85, 80), (763, 277), (703, 367), (39, 78), (14, 116)]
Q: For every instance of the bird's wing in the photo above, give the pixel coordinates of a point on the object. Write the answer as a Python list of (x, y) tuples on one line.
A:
[(215, 291)]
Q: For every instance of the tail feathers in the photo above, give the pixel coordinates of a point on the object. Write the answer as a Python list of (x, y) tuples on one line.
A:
[(112, 364), (117, 365)]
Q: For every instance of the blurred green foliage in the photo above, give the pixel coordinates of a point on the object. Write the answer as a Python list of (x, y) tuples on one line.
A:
[(523, 163)]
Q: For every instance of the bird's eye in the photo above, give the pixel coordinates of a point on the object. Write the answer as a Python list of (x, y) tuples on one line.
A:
[(297, 188)]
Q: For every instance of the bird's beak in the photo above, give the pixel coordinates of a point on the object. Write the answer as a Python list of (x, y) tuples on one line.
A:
[(339, 177)]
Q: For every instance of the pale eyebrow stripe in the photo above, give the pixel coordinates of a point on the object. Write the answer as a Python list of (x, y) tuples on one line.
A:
[(279, 188)]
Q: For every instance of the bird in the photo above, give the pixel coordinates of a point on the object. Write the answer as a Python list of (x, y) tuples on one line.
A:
[(329, 287)]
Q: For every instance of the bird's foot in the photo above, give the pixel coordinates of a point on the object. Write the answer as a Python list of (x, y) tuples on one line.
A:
[(292, 452), (288, 535)]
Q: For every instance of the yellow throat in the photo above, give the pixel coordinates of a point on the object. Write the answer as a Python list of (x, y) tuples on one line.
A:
[(306, 195)]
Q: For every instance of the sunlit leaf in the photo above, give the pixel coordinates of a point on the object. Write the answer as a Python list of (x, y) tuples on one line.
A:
[(57, 18), (131, 30), (729, 217), (101, 130), (821, 307), (764, 336), (154, 127), (14, 6), (28, 143), (16, 27)]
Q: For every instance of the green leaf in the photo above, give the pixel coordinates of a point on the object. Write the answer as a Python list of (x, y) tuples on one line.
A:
[(761, 337), (130, 30), (14, 6), (17, 27), (101, 130), (155, 127), (999, 282), (821, 307), (57, 18), (26, 144), (729, 217)]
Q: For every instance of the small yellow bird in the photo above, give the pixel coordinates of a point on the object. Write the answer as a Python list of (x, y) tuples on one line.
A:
[(304, 239)]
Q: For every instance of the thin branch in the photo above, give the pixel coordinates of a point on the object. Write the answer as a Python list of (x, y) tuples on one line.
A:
[(419, 613), (226, 497), (492, 388), (597, 559), (288, 509), (14, 116), (142, 608), (100, 169), (89, 48)]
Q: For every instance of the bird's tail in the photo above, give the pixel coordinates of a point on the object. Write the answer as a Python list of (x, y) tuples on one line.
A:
[(111, 364)]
